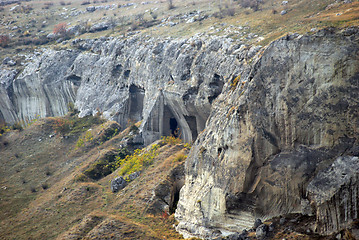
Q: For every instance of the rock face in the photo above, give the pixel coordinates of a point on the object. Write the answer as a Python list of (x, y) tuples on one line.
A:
[(334, 195), (267, 122), (170, 85), (269, 135), (40, 90)]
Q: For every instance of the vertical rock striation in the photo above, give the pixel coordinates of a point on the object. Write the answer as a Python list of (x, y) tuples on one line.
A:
[(268, 122), (170, 85), (334, 195), (288, 118)]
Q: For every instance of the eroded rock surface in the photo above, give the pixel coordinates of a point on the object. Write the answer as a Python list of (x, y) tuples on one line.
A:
[(168, 84), (287, 119), (268, 122), (334, 193)]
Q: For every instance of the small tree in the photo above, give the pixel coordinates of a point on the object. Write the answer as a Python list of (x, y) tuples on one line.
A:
[(170, 4), (4, 40), (153, 15), (253, 4), (60, 29)]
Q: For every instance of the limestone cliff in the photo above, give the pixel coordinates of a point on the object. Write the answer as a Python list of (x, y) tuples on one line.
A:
[(287, 119), (167, 84), (268, 122)]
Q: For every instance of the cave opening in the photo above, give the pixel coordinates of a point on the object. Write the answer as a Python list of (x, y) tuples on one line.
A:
[(174, 127), (174, 200), (171, 126)]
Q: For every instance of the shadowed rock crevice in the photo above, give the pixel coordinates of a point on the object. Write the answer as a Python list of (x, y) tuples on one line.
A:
[(167, 193), (215, 87), (126, 74), (76, 80), (136, 97), (117, 71), (192, 123)]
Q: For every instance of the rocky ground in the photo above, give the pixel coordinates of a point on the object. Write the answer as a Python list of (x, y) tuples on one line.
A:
[(29, 25)]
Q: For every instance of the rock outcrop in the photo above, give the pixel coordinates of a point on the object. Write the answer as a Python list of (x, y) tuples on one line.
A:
[(334, 195), (268, 122), (170, 85), (270, 134), (117, 184)]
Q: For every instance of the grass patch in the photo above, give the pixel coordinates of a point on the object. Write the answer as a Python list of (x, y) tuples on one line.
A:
[(170, 140), (180, 158), (72, 125), (107, 164)]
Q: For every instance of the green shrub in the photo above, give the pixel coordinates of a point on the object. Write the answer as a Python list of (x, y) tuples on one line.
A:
[(73, 125), (123, 152), (87, 138), (83, 124), (81, 178), (98, 170), (108, 134)]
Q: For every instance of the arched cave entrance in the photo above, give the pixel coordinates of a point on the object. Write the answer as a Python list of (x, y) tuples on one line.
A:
[(168, 118), (184, 128)]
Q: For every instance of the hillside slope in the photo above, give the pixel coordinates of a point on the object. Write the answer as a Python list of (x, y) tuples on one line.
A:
[(45, 194)]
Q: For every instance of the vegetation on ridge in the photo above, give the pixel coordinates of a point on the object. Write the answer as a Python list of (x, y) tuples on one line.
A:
[(52, 23)]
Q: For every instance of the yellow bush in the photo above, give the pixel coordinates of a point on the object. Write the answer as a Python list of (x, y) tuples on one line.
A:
[(235, 82), (4, 129), (188, 146), (171, 140), (87, 138), (180, 158), (139, 160)]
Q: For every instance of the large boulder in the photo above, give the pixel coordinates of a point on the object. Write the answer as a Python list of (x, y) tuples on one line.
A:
[(117, 184), (99, 27)]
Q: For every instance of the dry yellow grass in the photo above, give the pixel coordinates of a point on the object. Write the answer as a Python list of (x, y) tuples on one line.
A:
[(302, 16), (61, 210)]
